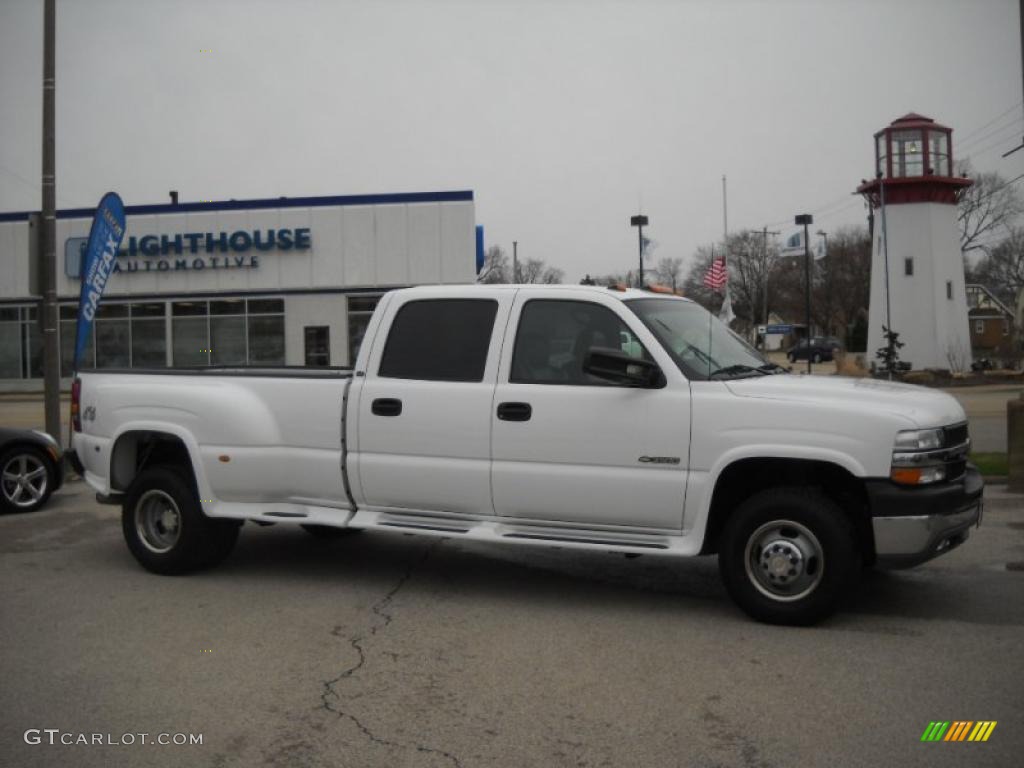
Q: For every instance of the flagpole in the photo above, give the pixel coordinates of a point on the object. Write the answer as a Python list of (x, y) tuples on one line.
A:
[(725, 314)]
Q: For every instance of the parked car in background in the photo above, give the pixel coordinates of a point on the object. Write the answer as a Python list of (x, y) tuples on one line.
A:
[(31, 468), (820, 349)]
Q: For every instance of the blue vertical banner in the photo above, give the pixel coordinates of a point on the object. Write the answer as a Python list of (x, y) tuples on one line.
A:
[(97, 264), (479, 248)]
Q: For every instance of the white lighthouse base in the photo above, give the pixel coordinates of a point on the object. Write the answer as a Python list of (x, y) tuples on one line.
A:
[(928, 309)]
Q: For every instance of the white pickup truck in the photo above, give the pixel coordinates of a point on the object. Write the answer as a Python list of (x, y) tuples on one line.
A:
[(579, 417)]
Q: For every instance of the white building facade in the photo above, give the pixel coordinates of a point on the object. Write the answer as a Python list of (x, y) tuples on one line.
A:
[(917, 269), (289, 281)]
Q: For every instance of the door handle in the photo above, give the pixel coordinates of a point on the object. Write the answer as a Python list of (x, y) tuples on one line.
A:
[(386, 406), (514, 411)]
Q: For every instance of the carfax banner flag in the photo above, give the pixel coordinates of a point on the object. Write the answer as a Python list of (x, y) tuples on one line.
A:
[(97, 265)]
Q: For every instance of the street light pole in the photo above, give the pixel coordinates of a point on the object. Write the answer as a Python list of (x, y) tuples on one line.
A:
[(807, 219), (515, 261), (639, 221)]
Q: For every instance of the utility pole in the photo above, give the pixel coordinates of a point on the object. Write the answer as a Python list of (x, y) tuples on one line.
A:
[(47, 232), (828, 281), (515, 261), (807, 219), (764, 297), (1021, 13)]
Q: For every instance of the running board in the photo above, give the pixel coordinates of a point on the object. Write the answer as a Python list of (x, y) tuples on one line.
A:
[(525, 533), (605, 542)]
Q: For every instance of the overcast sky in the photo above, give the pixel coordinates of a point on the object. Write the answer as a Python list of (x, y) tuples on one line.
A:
[(563, 117)]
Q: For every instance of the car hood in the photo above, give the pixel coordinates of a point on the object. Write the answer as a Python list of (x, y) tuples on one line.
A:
[(925, 407)]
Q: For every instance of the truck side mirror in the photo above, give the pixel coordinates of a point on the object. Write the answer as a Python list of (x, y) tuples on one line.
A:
[(616, 366)]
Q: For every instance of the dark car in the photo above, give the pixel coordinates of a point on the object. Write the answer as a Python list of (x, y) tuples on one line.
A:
[(31, 468), (821, 348)]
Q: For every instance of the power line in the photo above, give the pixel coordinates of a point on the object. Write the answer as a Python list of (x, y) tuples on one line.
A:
[(1014, 127), (1000, 142), (32, 184), (991, 122)]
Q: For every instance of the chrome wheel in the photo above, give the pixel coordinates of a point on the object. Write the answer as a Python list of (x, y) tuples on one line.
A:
[(784, 560), (157, 521), (24, 479)]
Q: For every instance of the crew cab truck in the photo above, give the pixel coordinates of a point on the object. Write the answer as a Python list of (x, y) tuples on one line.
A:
[(580, 417)]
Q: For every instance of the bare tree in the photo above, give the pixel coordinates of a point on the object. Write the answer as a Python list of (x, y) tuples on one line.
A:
[(842, 289), (1001, 270), (670, 272), (496, 267), (536, 271), (986, 208)]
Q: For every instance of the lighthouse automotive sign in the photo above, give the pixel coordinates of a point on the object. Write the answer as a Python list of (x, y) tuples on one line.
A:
[(193, 250)]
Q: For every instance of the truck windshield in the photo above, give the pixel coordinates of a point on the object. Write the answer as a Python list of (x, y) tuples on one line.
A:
[(700, 344)]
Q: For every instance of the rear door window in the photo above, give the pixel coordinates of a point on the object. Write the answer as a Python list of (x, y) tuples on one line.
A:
[(439, 340)]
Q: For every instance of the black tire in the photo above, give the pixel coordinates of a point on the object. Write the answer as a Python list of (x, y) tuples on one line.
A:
[(802, 551), (330, 531), (27, 478), (165, 528)]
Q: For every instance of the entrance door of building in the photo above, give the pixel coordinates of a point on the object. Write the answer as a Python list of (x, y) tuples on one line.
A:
[(318, 345)]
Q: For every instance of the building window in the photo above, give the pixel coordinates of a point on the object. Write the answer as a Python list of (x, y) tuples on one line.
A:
[(439, 340), (228, 332), (317, 340), (266, 331), (360, 309), (190, 333), (949, 290), (12, 342), (979, 327), (908, 267), (882, 156), (148, 334)]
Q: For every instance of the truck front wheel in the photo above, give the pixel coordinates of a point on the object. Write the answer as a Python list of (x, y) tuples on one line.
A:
[(788, 555), (165, 528)]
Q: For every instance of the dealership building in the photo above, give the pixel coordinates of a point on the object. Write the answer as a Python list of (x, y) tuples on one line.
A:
[(286, 281)]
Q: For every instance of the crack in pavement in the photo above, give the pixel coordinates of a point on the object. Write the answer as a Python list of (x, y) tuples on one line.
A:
[(382, 618)]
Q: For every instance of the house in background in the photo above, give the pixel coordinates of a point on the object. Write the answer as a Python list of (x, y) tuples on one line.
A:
[(993, 326)]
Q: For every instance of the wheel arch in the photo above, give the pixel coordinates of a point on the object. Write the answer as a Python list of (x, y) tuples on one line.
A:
[(142, 445), (743, 477)]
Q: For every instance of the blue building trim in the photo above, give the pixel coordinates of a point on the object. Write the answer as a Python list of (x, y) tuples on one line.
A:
[(275, 202)]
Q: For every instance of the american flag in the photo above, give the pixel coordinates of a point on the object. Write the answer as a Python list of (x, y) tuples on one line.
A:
[(717, 275)]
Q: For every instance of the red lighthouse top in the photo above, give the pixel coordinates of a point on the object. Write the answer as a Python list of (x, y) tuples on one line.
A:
[(914, 160)]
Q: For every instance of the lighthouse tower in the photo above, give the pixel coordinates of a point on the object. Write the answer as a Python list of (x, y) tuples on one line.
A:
[(917, 270)]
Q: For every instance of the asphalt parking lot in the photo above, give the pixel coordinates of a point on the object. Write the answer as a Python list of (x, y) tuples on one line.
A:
[(394, 650)]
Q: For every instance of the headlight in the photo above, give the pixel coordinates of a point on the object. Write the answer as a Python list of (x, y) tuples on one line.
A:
[(919, 440)]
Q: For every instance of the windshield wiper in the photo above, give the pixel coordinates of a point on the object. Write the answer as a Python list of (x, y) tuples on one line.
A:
[(737, 370), (772, 368)]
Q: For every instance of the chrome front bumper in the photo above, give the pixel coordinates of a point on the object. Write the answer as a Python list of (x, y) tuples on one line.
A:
[(903, 542)]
